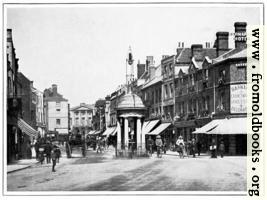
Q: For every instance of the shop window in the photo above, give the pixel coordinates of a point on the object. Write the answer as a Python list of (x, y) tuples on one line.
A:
[(171, 90), (222, 102), (166, 92), (222, 75)]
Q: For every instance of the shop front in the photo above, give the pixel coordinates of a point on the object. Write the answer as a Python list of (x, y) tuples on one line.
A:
[(231, 130)]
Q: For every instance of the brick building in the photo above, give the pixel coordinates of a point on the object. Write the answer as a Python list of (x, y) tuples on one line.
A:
[(214, 88), (13, 100)]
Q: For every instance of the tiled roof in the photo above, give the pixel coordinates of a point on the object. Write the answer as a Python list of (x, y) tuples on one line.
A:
[(234, 53), (185, 55), (152, 82), (55, 98)]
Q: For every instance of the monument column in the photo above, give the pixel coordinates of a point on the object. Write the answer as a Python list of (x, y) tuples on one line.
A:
[(138, 135), (126, 133), (118, 136), (143, 141)]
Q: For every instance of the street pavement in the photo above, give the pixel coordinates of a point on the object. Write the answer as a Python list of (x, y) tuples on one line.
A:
[(103, 172)]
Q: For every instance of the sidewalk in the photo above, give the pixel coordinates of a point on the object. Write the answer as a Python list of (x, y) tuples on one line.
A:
[(21, 164)]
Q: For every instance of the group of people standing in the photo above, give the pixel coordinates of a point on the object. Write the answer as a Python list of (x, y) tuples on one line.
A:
[(188, 148), (192, 147), (49, 151)]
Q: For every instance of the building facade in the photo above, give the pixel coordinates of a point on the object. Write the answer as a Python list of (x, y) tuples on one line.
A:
[(213, 88), (81, 119), (40, 117), (13, 101), (56, 113)]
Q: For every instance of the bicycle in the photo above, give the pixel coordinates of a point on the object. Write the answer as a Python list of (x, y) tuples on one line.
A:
[(159, 155)]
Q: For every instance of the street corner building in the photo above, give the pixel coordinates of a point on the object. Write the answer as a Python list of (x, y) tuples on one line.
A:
[(199, 92)]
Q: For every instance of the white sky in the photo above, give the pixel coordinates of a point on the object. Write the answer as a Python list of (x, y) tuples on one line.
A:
[(83, 49)]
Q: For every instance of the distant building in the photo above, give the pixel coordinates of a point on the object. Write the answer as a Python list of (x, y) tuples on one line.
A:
[(56, 113), (40, 118), (107, 112), (81, 118)]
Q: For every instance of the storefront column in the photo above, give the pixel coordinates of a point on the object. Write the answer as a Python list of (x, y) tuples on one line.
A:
[(138, 136), (126, 133), (143, 141), (118, 136)]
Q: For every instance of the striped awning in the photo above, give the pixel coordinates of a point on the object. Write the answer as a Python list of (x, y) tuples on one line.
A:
[(149, 126), (226, 126), (159, 129), (109, 131), (26, 128)]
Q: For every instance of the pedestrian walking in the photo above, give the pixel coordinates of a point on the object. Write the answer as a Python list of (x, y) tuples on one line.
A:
[(198, 147), (98, 148), (193, 147), (48, 149), (41, 155), (36, 148), (180, 146), (159, 146), (150, 144), (54, 159), (213, 149), (164, 146), (222, 148), (58, 154)]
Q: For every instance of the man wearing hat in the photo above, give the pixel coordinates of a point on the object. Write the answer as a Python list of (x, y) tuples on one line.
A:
[(159, 145), (180, 144)]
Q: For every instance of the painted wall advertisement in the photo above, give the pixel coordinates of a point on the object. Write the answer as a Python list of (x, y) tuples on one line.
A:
[(238, 96)]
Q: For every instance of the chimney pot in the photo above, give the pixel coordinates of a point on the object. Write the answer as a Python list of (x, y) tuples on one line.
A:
[(222, 39), (54, 89), (196, 51), (240, 35)]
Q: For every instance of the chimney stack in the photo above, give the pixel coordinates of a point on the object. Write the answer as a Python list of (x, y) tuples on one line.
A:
[(222, 43), (196, 51), (240, 35), (54, 89), (31, 84), (141, 68), (9, 34), (207, 45)]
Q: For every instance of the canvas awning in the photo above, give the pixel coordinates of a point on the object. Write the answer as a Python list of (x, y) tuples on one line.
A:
[(159, 129), (26, 128), (62, 131), (149, 126), (115, 131), (91, 132), (226, 126), (208, 127), (108, 131)]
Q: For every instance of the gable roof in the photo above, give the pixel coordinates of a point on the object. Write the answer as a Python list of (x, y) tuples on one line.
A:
[(83, 107), (185, 55)]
